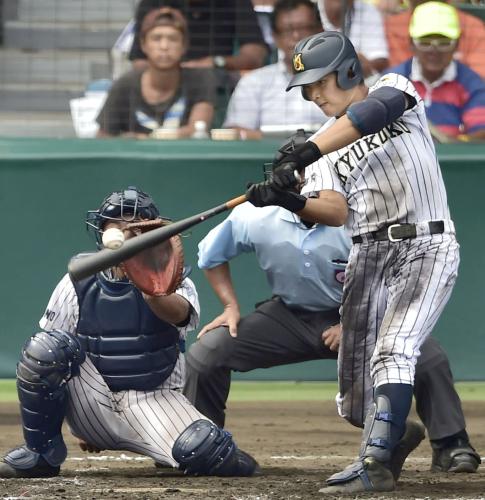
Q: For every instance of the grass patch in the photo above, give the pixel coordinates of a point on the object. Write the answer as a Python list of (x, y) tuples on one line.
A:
[(321, 391), (8, 390), (280, 391)]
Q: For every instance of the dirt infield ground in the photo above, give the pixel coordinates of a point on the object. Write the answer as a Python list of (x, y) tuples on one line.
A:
[(297, 444)]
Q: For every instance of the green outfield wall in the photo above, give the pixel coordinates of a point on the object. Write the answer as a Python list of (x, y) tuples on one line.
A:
[(46, 186)]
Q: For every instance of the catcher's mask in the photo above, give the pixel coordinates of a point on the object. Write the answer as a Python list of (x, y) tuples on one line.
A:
[(129, 205), (288, 146)]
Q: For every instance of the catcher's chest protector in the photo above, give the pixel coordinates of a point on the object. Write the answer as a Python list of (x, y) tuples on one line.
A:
[(130, 346)]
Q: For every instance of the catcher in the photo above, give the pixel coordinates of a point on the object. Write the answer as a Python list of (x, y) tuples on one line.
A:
[(109, 360)]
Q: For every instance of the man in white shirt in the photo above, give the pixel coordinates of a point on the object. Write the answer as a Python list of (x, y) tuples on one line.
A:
[(363, 24), (259, 98)]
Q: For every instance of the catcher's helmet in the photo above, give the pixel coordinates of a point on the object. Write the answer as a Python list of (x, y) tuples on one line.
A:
[(126, 205), (319, 55)]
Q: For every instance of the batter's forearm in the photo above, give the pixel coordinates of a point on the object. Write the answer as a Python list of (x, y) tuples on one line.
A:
[(330, 208), (340, 134)]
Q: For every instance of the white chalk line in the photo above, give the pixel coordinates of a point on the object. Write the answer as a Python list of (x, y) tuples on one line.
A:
[(111, 458), (128, 458), (343, 457)]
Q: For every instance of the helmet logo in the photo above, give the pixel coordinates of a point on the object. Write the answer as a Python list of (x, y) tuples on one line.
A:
[(297, 62)]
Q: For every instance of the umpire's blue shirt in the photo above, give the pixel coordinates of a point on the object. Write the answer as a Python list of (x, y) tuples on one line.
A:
[(305, 267)]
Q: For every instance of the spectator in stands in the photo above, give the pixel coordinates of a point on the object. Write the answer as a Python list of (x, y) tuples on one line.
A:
[(453, 94), (363, 24), (260, 98), (164, 95), (214, 27), (471, 46)]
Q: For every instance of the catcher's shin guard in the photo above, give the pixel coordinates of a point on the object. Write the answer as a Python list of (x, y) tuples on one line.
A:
[(47, 362), (207, 450)]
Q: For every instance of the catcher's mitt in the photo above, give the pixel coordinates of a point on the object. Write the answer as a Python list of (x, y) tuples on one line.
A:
[(157, 270)]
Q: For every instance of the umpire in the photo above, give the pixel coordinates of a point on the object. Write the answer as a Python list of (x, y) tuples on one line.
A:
[(304, 265)]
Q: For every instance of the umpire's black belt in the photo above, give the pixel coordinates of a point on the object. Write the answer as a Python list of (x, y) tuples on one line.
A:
[(399, 232)]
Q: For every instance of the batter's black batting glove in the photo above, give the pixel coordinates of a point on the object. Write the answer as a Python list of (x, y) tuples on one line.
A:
[(295, 140), (286, 176), (301, 156), (265, 194)]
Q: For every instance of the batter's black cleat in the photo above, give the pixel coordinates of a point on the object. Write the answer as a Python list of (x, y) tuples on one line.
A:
[(365, 475), (413, 435), (461, 457)]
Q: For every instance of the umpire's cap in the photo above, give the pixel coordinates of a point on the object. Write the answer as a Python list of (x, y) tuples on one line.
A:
[(319, 55)]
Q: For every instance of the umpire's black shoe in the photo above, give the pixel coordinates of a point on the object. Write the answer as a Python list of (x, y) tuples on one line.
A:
[(40, 470), (461, 457), (413, 435)]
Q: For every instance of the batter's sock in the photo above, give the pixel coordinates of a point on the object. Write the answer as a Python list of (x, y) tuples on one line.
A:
[(400, 397)]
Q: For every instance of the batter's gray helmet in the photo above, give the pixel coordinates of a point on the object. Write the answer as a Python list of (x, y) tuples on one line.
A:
[(319, 55)]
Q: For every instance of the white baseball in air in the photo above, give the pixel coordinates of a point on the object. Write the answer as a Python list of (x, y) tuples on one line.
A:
[(113, 238)]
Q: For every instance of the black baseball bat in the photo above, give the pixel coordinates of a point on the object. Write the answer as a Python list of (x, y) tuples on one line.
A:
[(83, 267)]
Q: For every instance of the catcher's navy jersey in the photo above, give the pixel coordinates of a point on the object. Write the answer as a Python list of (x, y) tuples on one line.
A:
[(62, 313), (388, 177)]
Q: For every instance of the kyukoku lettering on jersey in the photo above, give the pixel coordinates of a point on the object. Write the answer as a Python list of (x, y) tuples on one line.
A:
[(383, 175), (352, 156)]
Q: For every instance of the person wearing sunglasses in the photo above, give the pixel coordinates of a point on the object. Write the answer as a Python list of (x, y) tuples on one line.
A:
[(453, 94)]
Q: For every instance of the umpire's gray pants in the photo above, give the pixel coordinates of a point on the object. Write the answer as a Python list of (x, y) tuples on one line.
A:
[(275, 335)]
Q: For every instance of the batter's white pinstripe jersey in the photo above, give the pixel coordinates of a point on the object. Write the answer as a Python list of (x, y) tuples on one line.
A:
[(389, 177), (63, 313)]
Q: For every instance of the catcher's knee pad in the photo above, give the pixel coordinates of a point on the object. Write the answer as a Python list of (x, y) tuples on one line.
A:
[(377, 436), (48, 360), (207, 450)]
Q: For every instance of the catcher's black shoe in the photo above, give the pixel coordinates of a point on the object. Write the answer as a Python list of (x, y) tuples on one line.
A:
[(23, 462), (413, 435), (248, 464), (461, 457), (365, 475), (40, 470)]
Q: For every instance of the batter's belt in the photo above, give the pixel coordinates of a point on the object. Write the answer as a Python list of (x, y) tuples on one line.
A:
[(399, 232)]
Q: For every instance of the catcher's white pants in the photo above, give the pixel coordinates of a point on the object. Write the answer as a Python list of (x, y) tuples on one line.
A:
[(394, 293), (145, 422)]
